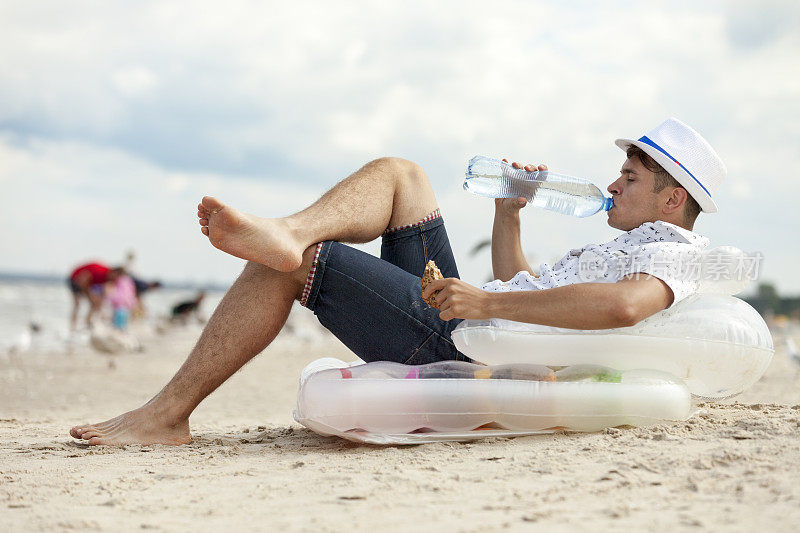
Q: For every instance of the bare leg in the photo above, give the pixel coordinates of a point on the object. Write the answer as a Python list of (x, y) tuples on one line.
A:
[(76, 305), (95, 305), (386, 192), (250, 315), (383, 193)]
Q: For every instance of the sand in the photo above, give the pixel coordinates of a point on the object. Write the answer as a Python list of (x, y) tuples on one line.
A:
[(734, 465)]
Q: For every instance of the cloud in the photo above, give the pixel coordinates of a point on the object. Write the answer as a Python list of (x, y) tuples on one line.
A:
[(294, 96), (134, 81), (751, 25), (65, 202)]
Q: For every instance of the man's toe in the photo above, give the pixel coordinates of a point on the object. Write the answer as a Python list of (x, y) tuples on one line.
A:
[(211, 204), (87, 435)]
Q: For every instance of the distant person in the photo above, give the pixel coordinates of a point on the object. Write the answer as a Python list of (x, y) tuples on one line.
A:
[(143, 287), (130, 259), (88, 281), (183, 311), (123, 300)]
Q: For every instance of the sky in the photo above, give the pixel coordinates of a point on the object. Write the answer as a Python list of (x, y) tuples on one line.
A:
[(116, 118)]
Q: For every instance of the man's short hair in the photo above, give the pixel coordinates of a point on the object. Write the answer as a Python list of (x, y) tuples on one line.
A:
[(664, 179)]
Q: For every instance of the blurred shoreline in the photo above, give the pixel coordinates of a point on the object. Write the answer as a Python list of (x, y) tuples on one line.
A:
[(35, 310), (52, 279)]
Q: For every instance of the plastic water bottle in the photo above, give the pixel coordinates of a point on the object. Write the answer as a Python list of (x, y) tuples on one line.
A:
[(542, 188)]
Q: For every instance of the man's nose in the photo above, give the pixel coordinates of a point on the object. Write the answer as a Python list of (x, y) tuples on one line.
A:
[(614, 187)]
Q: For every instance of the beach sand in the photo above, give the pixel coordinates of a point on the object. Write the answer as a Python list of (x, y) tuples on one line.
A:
[(734, 465)]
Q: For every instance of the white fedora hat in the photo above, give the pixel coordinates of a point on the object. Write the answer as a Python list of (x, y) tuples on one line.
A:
[(686, 156)]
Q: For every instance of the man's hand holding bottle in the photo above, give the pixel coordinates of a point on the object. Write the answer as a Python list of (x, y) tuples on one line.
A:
[(511, 206)]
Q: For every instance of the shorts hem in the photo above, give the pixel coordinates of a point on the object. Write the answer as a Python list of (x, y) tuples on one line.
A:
[(428, 218), (310, 278)]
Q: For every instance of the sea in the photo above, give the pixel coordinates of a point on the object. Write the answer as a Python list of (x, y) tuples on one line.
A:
[(35, 315), (35, 311)]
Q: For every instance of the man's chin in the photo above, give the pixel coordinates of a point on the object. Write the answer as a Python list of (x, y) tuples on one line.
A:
[(610, 220), (617, 224)]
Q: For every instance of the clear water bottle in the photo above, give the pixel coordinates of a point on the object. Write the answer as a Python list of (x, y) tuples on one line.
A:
[(542, 188)]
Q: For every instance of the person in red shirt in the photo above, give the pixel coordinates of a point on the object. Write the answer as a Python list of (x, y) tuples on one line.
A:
[(88, 281)]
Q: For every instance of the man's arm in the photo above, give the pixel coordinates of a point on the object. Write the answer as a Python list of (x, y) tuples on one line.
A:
[(507, 255), (577, 306)]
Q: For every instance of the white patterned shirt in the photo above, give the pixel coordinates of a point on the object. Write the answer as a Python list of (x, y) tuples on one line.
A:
[(661, 249)]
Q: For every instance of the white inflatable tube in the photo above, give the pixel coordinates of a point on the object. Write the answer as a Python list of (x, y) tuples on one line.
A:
[(541, 378), (717, 344), (389, 403)]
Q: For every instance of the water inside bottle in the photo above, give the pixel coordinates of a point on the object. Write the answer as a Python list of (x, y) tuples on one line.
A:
[(545, 189)]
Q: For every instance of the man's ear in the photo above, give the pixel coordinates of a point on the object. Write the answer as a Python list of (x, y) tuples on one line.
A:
[(676, 200)]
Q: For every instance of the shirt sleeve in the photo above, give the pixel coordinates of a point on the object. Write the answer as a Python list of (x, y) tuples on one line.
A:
[(671, 262), (522, 281)]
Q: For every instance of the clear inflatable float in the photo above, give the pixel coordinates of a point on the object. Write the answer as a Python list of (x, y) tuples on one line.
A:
[(540, 378), (718, 345), (391, 403)]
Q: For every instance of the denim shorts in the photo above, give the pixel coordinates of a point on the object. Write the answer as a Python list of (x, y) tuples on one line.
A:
[(374, 305)]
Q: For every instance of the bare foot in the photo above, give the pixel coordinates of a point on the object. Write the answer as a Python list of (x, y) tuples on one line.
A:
[(268, 241), (140, 426)]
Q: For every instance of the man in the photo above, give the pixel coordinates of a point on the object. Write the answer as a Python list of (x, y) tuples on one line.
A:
[(374, 306), (88, 282)]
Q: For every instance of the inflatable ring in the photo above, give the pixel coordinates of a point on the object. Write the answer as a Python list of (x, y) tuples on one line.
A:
[(540, 378), (717, 344), (391, 403)]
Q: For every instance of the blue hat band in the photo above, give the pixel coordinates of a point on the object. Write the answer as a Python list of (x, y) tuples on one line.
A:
[(647, 140)]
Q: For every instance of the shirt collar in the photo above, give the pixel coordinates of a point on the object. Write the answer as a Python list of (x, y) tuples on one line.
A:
[(652, 231)]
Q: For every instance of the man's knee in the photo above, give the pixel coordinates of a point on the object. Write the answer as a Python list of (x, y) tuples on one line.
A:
[(400, 168), (257, 272)]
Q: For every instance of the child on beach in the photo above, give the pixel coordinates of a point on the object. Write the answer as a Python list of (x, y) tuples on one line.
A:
[(122, 299)]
